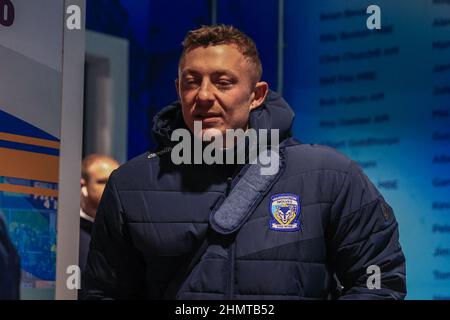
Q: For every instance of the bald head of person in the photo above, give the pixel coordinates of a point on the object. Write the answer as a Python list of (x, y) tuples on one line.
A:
[(95, 171)]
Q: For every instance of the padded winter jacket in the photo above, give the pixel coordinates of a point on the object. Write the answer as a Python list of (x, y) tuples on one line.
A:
[(293, 235)]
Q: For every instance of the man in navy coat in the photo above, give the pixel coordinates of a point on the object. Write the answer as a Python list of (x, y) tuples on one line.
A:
[(172, 227)]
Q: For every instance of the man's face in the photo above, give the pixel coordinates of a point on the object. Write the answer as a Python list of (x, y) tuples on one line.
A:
[(216, 86), (99, 173)]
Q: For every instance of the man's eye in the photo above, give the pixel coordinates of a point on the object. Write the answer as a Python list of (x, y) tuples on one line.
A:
[(190, 82), (224, 83)]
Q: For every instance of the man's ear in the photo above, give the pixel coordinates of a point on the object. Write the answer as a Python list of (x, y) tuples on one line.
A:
[(260, 93), (84, 191)]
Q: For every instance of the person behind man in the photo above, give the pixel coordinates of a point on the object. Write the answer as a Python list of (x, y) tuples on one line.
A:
[(226, 231), (9, 267), (95, 171)]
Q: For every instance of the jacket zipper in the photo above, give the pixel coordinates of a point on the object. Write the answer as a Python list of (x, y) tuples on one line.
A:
[(231, 252), (231, 284), (229, 181)]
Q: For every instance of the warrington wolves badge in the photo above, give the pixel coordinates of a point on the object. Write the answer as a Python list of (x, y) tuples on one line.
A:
[(285, 209)]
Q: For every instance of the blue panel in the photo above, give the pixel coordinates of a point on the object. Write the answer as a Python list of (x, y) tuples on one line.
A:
[(155, 30), (383, 98), (31, 225), (29, 148), (13, 125)]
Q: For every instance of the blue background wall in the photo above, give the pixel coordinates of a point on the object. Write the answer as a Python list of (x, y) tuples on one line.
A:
[(379, 97), (155, 30), (388, 108)]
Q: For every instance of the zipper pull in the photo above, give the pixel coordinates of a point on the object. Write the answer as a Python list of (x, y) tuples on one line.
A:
[(229, 181)]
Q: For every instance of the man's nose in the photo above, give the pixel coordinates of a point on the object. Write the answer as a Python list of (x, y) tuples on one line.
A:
[(205, 93)]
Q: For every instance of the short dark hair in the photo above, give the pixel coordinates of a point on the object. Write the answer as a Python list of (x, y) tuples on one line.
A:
[(223, 34)]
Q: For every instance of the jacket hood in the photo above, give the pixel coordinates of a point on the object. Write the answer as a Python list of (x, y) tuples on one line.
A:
[(274, 113)]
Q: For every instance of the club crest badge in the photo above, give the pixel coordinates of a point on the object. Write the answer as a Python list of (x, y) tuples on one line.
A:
[(285, 210)]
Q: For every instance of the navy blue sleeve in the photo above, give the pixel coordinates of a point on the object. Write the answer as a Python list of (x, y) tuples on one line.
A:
[(364, 238), (114, 270), (9, 267)]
